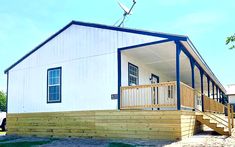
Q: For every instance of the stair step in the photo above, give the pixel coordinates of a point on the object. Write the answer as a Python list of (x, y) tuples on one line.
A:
[(213, 124)]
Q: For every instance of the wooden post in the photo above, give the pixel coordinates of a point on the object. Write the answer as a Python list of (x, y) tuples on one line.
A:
[(229, 117), (232, 116), (120, 97)]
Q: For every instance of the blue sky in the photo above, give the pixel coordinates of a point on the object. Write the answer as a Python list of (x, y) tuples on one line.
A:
[(25, 24)]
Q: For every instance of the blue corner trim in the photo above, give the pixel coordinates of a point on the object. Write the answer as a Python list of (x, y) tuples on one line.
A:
[(192, 63), (213, 90), (217, 93), (208, 83), (119, 78), (141, 32), (178, 51), (145, 44)]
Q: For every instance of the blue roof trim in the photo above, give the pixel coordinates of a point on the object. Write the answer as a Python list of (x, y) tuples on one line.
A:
[(136, 31), (145, 44), (196, 52), (142, 32)]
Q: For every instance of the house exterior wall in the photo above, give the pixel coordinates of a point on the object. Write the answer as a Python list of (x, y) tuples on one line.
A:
[(231, 93), (88, 57), (231, 99), (144, 71)]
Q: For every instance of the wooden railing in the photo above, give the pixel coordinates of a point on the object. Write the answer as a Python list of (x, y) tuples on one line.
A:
[(198, 100), (148, 96), (211, 105), (187, 96), (164, 95), (230, 112)]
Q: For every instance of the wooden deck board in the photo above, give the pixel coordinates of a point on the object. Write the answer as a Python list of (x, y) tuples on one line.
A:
[(167, 125)]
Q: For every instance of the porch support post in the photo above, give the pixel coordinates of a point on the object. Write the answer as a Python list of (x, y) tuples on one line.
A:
[(178, 50), (220, 95), (119, 78), (201, 73), (208, 83), (213, 90), (192, 69)]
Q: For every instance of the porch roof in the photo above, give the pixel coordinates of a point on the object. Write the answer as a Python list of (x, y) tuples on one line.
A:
[(165, 58)]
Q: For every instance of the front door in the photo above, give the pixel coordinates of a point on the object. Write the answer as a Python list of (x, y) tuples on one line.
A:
[(154, 80)]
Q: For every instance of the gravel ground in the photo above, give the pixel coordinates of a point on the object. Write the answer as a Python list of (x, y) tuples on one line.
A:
[(101, 142), (208, 138)]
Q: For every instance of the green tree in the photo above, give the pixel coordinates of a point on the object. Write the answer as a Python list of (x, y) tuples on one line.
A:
[(2, 101), (231, 40)]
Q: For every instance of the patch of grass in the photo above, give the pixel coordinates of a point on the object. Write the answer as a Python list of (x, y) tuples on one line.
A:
[(24, 144), (117, 144)]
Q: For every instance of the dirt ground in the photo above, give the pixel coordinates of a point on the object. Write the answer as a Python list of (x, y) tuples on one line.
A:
[(208, 138)]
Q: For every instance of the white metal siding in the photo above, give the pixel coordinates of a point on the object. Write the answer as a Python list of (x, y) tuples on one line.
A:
[(231, 99), (88, 57), (144, 71)]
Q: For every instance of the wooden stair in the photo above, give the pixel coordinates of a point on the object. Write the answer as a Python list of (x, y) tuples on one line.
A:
[(212, 123)]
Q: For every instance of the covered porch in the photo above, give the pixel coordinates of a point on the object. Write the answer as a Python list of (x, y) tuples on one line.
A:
[(167, 75)]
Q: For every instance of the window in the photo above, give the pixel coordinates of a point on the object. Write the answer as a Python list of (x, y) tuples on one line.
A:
[(54, 85), (133, 74)]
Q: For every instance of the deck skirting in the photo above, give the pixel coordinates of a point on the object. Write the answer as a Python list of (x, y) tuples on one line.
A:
[(139, 124)]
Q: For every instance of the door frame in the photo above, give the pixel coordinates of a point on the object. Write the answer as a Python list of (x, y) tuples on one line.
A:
[(157, 77)]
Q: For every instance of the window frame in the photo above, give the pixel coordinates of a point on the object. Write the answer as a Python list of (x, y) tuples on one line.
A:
[(60, 95), (130, 64)]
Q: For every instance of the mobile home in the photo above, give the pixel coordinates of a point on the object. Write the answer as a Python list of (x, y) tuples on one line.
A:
[(103, 80)]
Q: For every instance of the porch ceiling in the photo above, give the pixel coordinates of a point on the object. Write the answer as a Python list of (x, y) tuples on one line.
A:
[(162, 58)]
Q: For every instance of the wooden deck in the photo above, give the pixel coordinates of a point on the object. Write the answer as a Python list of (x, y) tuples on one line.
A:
[(167, 125)]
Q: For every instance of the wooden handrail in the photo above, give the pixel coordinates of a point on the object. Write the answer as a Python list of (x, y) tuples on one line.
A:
[(212, 106), (150, 85), (229, 117), (228, 124), (148, 96), (221, 119), (232, 115), (213, 118)]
